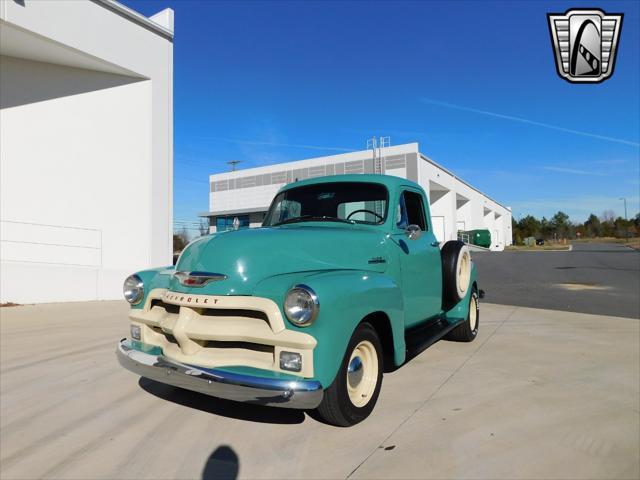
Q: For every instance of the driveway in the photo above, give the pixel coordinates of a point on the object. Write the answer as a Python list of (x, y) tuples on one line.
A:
[(539, 394), (593, 278)]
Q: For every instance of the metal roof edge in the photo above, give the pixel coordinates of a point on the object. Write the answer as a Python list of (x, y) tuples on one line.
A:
[(136, 17), (239, 211)]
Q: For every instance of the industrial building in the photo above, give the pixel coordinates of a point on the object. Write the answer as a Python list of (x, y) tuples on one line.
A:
[(245, 195), (86, 147)]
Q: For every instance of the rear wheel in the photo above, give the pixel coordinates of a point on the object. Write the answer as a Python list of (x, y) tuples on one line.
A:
[(354, 392), (468, 330)]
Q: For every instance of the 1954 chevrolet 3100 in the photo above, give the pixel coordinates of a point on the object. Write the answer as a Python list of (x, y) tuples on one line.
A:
[(344, 280)]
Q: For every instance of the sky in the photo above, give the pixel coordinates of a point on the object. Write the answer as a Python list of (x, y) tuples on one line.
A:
[(474, 83)]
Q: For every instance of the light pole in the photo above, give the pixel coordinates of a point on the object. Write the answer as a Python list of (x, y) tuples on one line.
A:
[(626, 227)]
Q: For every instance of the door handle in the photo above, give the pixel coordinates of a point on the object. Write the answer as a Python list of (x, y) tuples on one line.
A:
[(435, 244)]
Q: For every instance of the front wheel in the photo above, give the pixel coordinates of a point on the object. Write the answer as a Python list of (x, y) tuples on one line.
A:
[(354, 392), (468, 330)]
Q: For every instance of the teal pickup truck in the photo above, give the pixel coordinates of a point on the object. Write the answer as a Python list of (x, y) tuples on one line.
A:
[(344, 280)]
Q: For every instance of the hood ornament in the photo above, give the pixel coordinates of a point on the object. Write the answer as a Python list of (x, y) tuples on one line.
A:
[(198, 279)]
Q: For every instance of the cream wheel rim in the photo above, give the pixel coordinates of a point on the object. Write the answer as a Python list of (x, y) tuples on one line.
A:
[(473, 312), (362, 373), (463, 271)]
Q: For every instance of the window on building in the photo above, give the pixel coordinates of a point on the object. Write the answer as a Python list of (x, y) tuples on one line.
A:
[(226, 222)]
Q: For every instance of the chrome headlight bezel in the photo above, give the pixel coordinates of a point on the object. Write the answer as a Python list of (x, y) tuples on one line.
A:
[(133, 289), (296, 313)]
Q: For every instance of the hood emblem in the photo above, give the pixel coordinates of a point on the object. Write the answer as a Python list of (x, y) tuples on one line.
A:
[(198, 279)]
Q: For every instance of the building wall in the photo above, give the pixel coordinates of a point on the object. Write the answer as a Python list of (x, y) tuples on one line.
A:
[(86, 158), (454, 204), (253, 189)]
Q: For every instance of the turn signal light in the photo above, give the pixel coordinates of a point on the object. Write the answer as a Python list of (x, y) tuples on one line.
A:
[(291, 361)]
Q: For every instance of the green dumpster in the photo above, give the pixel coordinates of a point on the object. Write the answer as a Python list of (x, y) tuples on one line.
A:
[(481, 238)]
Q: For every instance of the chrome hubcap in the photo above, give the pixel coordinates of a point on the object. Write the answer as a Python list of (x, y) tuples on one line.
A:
[(355, 372), (473, 312), (362, 373)]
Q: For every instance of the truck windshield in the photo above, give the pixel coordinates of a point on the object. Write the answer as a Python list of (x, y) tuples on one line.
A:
[(347, 202)]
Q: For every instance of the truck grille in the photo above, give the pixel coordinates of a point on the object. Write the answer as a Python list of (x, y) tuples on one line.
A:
[(215, 331), (208, 334)]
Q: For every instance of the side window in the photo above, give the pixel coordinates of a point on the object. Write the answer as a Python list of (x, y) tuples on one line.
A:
[(412, 210), (401, 214)]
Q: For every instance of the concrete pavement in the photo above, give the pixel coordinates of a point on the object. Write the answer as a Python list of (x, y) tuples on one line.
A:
[(539, 394)]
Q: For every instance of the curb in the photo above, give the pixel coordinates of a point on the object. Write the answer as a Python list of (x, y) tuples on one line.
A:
[(542, 251)]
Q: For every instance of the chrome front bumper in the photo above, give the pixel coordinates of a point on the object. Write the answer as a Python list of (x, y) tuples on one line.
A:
[(303, 394)]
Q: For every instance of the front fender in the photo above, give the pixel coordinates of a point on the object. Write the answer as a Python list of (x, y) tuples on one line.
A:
[(154, 278), (346, 297)]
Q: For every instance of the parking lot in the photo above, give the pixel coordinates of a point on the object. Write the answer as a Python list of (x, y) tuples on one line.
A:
[(539, 394), (591, 278)]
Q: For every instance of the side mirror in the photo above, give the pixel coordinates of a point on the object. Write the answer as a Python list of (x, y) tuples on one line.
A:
[(413, 232)]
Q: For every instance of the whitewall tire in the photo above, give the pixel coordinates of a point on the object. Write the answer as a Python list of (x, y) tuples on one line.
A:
[(467, 331)]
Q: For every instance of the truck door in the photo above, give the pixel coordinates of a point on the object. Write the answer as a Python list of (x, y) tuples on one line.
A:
[(420, 264)]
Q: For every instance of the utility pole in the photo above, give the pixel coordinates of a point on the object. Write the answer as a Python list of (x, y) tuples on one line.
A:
[(233, 164), (625, 207), (626, 227)]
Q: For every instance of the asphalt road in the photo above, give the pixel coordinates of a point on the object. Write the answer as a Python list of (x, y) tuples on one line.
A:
[(601, 279), (539, 394)]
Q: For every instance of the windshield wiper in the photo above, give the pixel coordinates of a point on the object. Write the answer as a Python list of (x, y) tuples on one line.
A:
[(305, 218)]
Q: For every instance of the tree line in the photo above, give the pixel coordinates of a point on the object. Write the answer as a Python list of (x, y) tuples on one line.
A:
[(559, 227)]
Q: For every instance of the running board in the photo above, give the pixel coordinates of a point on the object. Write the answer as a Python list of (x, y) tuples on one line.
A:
[(419, 338)]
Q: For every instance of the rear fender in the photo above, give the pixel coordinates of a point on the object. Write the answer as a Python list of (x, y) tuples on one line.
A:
[(458, 313)]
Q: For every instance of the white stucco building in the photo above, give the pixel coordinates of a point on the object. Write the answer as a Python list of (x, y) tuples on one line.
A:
[(86, 147), (455, 204)]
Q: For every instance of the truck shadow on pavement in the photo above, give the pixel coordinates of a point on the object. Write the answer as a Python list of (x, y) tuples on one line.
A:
[(218, 406)]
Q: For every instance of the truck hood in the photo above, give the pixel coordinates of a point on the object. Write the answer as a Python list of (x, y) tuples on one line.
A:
[(249, 256)]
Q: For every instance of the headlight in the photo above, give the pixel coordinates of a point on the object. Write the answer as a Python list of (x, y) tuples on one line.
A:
[(301, 305), (133, 289)]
